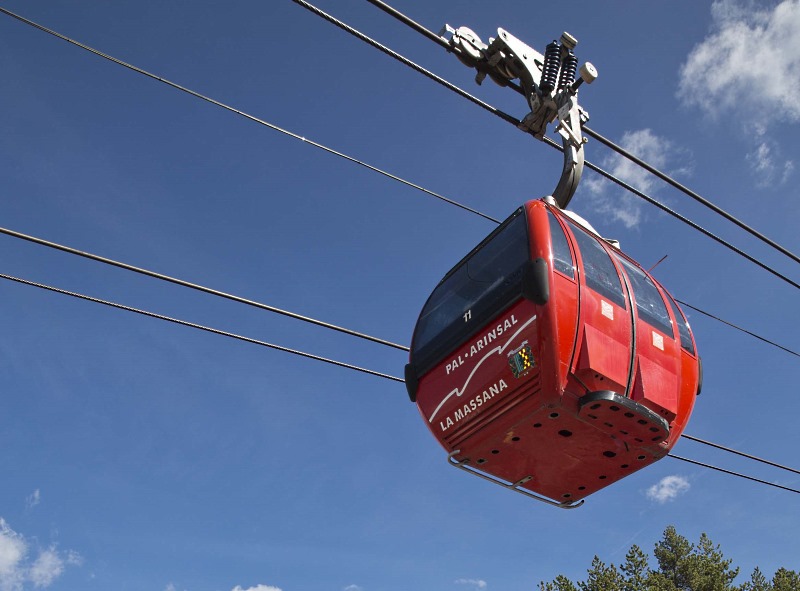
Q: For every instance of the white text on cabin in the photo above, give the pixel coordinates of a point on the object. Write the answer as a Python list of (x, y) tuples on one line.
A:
[(473, 404), (482, 342)]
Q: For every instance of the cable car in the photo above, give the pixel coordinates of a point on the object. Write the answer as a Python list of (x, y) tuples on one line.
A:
[(547, 360), (550, 362)]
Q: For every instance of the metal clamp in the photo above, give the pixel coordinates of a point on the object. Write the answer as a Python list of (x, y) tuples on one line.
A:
[(548, 83), (515, 486)]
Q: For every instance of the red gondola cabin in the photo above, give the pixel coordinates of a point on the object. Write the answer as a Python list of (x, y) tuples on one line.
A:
[(550, 362)]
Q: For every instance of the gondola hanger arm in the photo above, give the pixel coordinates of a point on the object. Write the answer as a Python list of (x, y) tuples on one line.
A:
[(548, 83)]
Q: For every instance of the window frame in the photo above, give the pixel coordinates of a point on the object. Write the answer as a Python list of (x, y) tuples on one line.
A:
[(442, 342), (639, 290), (591, 278)]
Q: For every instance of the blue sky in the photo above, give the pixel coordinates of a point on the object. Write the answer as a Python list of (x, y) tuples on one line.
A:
[(136, 454)]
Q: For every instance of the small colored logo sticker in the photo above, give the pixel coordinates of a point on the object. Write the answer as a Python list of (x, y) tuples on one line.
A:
[(521, 360)]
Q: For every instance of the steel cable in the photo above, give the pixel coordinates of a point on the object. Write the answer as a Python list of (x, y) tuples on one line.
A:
[(513, 120), (607, 142), (197, 287), (198, 326)]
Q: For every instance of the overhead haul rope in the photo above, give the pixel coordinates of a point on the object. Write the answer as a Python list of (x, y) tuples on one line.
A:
[(334, 362), (368, 166), (250, 302), (739, 453), (198, 287), (732, 473), (198, 326), (687, 191), (237, 111), (514, 121), (425, 32), (752, 334)]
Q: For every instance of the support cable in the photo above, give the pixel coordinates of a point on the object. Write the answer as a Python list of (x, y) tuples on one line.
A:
[(313, 357), (198, 287), (687, 191), (238, 112), (199, 327), (740, 453), (513, 120), (744, 330), (608, 143), (421, 29), (732, 473), (688, 222), (459, 91), (407, 62)]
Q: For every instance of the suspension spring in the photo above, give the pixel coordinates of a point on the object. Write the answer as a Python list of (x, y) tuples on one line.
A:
[(552, 59), (569, 65)]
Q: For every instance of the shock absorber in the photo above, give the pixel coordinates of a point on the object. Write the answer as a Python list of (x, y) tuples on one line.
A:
[(550, 67), (569, 65)]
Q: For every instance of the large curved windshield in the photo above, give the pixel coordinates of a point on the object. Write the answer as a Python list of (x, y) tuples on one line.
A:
[(474, 291)]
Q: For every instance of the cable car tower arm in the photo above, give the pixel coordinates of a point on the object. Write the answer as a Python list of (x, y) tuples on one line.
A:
[(546, 81)]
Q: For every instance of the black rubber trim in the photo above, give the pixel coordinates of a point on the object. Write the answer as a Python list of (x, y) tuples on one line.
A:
[(535, 282), (412, 382), (699, 375)]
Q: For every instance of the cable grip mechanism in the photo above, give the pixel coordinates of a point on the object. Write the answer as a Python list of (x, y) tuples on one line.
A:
[(548, 83)]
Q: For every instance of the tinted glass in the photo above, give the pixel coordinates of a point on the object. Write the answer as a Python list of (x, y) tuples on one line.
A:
[(562, 258), (683, 327), (477, 289), (600, 273), (648, 300)]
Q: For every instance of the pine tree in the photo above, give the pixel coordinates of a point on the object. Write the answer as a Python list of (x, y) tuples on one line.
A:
[(561, 583), (682, 566), (672, 554), (786, 580), (602, 577), (708, 570), (757, 582), (636, 570)]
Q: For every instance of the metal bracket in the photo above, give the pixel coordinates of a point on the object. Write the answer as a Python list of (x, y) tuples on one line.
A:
[(546, 81), (515, 486)]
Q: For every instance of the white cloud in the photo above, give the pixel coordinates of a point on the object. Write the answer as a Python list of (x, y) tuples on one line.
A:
[(668, 489), (13, 550), (16, 569), (618, 204), (73, 558), (352, 588), (751, 60), (46, 568), (768, 165), (748, 68), (474, 583), (257, 588), (33, 499)]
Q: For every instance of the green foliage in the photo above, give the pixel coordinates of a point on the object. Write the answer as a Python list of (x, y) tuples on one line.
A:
[(757, 582), (785, 580), (602, 578), (561, 583), (636, 570), (681, 566)]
